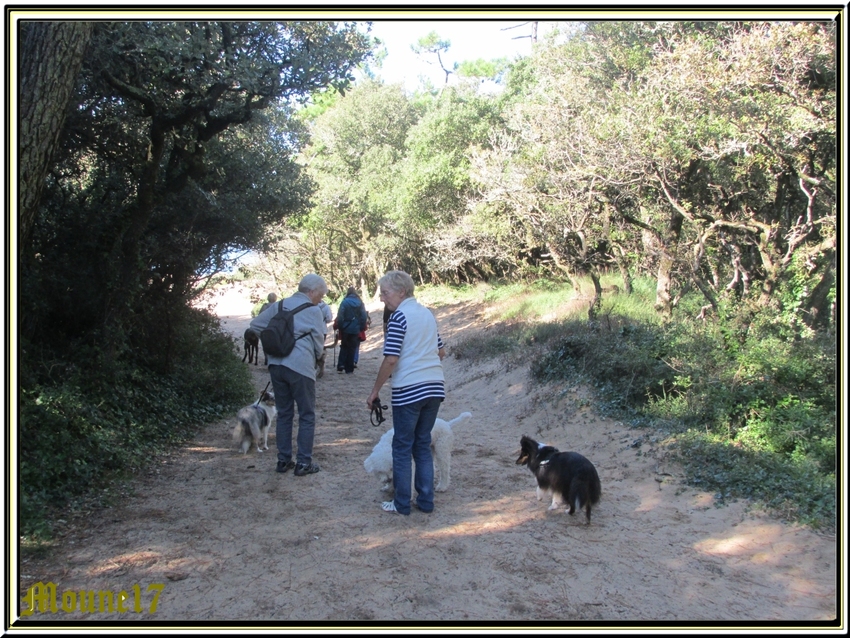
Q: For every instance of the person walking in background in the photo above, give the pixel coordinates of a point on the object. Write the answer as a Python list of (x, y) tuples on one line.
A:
[(413, 355), (351, 320), (361, 337), (329, 317), (294, 376), (386, 318), (269, 301)]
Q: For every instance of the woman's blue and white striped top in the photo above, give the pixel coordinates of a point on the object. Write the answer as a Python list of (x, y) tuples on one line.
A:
[(412, 336)]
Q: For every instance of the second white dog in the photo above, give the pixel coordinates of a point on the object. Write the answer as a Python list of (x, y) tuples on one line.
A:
[(380, 461)]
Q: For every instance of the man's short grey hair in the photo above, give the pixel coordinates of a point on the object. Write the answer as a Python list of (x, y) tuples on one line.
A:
[(312, 282), (398, 281), (272, 297)]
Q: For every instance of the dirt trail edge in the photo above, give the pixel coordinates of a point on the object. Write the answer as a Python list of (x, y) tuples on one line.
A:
[(231, 540)]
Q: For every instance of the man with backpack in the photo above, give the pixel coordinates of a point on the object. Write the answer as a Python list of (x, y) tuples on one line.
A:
[(293, 375)]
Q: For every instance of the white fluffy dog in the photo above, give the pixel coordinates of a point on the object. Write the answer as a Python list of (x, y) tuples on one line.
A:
[(380, 461)]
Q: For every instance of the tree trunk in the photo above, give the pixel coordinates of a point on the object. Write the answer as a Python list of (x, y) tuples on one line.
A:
[(820, 309), (562, 265), (666, 263), (663, 297), (51, 56), (596, 302), (623, 266)]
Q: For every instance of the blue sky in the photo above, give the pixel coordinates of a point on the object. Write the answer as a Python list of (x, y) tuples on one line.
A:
[(470, 40)]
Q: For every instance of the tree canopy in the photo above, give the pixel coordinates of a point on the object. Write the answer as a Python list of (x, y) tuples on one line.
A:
[(179, 148), (700, 153), (706, 151)]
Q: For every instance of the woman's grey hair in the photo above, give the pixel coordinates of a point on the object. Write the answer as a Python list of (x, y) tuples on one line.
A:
[(312, 282), (399, 281)]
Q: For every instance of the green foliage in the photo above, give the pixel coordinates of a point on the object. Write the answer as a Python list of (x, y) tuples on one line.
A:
[(793, 427), (774, 393), (630, 142), (484, 69), (88, 420), (793, 488), (392, 178), (320, 101), (616, 144), (625, 365), (519, 79), (435, 173), (354, 160), (177, 151), (431, 43)]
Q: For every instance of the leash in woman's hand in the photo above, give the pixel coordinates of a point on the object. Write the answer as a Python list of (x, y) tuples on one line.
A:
[(377, 413)]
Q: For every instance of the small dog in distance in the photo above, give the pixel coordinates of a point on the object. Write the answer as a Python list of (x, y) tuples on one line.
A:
[(252, 347)]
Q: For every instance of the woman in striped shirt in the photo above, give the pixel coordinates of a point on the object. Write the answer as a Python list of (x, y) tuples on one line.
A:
[(413, 354)]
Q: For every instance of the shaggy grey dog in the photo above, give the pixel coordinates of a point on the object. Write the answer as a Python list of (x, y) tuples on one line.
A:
[(253, 424)]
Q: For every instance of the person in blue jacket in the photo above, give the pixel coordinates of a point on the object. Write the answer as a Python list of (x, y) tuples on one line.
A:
[(351, 321)]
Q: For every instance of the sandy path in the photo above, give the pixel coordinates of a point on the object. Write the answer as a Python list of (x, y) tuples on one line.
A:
[(232, 540)]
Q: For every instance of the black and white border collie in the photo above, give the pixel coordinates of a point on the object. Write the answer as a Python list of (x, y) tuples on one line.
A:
[(569, 476)]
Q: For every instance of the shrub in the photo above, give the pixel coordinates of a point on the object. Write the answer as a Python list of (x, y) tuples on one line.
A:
[(91, 418), (793, 488), (627, 365)]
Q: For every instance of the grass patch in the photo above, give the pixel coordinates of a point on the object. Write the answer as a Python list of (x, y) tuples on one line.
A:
[(508, 340), (436, 296), (531, 303), (636, 307)]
